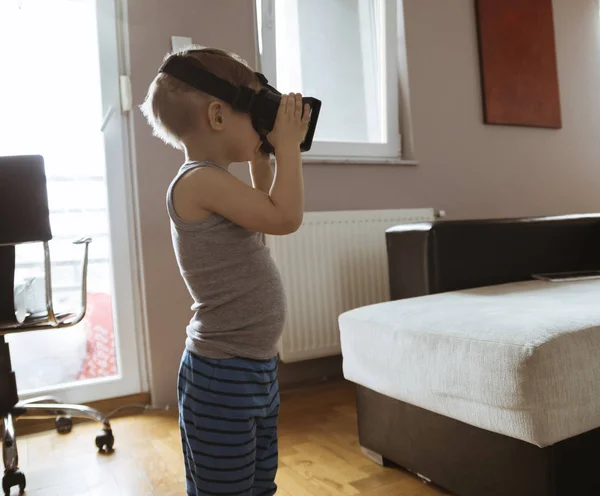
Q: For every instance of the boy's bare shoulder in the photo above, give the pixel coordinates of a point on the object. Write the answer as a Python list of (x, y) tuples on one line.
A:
[(201, 178), (191, 188), (199, 175)]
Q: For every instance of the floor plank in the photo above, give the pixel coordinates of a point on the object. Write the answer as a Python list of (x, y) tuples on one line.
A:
[(319, 455)]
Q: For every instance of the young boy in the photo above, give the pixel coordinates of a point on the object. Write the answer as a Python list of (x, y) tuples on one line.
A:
[(228, 389)]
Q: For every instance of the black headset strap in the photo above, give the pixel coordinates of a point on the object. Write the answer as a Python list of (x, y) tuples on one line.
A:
[(184, 69)]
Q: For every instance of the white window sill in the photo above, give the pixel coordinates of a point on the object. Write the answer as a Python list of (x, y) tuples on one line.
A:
[(311, 159), (308, 159)]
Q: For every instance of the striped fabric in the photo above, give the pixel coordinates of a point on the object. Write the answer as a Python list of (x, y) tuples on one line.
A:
[(228, 413)]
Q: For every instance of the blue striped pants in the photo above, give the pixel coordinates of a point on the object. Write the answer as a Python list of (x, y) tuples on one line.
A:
[(228, 413)]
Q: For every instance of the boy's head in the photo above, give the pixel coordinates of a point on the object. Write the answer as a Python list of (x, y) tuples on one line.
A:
[(181, 115)]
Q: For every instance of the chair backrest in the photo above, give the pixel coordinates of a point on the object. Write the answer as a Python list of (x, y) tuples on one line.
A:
[(7, 283), (24, 214), (24, 217)]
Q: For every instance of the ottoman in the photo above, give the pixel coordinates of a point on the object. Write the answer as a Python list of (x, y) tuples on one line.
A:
[(520, 360), (476, 376)]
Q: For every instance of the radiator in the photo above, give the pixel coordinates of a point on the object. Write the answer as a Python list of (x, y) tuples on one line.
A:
[(335, 262)]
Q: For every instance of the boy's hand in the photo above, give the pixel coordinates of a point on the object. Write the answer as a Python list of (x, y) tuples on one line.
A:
[(291, 123)]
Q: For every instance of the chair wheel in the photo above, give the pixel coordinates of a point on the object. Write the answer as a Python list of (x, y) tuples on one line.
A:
[(105, 440), (11, 479), (64, 425)]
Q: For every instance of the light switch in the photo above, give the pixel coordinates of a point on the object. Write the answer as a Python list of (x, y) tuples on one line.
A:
[(180, 43)]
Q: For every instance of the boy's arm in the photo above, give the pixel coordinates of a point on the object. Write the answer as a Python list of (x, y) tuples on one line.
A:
[(261, 173), (277, 213), (288, 186)]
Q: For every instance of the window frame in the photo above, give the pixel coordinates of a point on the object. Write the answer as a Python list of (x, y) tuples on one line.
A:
[(327, 151)]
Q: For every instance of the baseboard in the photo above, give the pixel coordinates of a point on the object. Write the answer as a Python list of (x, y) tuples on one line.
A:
[(292, 375), (25, 426)]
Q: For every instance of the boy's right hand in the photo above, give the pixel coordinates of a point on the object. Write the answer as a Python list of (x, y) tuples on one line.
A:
[(291, 123)]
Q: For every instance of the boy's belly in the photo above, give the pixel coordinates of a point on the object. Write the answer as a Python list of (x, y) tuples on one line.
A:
[(246, 317)]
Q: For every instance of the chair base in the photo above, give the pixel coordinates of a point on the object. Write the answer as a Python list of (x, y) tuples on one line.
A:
[(44, 408)]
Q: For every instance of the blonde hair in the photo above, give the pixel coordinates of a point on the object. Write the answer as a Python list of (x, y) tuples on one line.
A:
[(171, 106)]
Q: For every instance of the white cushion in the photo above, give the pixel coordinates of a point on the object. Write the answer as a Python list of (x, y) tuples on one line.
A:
[(518, 359)]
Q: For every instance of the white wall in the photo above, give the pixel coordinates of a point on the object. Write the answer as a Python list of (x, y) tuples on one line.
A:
[(476, 170)]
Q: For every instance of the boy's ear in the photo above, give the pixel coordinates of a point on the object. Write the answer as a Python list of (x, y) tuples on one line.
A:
[(216, 115)]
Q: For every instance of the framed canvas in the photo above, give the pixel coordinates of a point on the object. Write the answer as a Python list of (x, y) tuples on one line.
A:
[(517, 51)]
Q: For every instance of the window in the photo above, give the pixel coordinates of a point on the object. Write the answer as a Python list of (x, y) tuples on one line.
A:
[(343, 52)]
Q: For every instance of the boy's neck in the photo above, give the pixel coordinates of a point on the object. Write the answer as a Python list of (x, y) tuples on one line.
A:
[(200, 153)]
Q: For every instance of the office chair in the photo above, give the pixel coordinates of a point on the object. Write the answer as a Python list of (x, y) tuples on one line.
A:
[(24, 218)]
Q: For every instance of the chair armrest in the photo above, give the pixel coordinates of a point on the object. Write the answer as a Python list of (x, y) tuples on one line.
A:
[(52, 320), (70, 319)]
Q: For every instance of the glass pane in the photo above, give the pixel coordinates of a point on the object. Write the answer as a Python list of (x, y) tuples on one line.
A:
[(51, 105), (334, 50)]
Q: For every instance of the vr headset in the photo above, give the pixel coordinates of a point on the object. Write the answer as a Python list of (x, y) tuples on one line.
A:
[(261, 106)]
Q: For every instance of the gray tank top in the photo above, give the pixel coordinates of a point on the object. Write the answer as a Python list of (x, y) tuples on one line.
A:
[(239, 302)]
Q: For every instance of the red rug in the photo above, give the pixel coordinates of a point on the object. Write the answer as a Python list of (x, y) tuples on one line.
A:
[(101, 359)]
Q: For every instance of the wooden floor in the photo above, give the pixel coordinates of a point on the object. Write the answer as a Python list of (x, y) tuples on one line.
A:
[(319, 455)]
